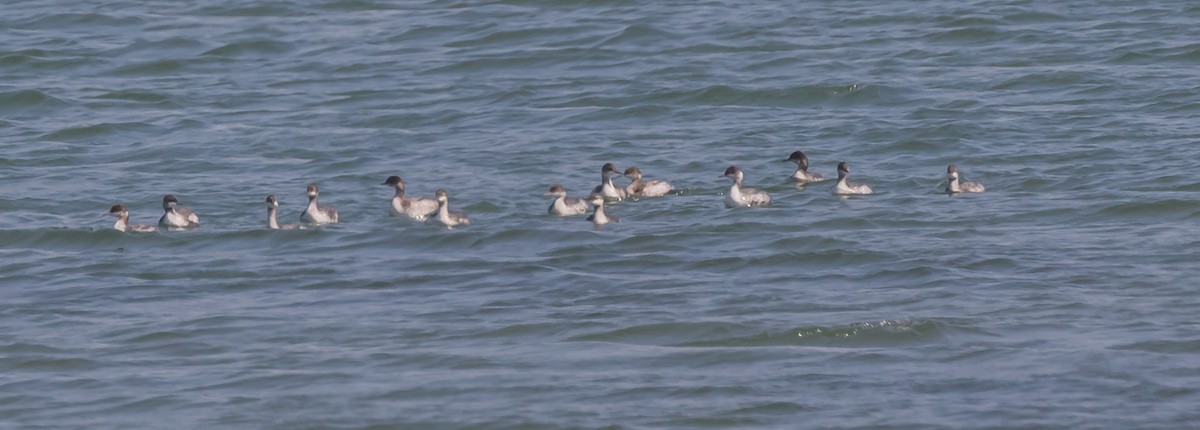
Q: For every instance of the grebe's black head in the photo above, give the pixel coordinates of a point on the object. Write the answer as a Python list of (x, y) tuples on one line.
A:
[(393, 181), (633, 171), (272, 201), (117, 209), (843, 167), (732, 171), (609, 168)]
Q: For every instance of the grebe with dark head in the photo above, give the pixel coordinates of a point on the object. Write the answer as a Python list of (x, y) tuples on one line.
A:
[(606, 189), (563, 205), (743, 196), (175, 216), (654, 188), (450, 219), (954, 186), (598, 216), (317, 214), (845, 187), (802, 174), (122, 214), (272, 223), (418, 208)]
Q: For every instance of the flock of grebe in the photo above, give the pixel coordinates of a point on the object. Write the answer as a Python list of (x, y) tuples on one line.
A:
[(438, 208)]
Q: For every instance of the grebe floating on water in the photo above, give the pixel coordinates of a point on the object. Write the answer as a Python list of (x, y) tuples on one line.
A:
[(954, 186), (743, 196), (563, 205), (175, 216), (122, 214), (316, 214), (272, 223), (606, 189), (418, 208), (598, 217), (645, 189), (802, 174), (845, 187), (450, 219)]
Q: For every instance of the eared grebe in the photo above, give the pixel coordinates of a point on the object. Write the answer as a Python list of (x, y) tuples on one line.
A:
[(563, 205), (845, 187), (316, 214), (272, 223), (122, 214), (743, 196), (645, 189), (175, 216), (418, 208), (802, 174), (954, 186), (450, 219), (606, 189), (598, 217)]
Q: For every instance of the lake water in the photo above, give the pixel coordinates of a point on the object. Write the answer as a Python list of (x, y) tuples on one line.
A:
[(1065, 296)]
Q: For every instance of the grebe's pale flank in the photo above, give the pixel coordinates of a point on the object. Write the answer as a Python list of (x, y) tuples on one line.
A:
[(563, 205), (272, 223), (743, 196), (317, 214), (450, 219), (606, 189), (175, 216), (845, 187), (598, 216), (418, 208), (954, 186), (645, 189), (802, 174), (122, 214)]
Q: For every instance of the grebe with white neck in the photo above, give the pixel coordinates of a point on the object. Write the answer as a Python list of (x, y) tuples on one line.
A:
[(450, 219), (638, 188), (598, 216), (417, 208), (317, 214), (954, 186), (845, 187), (122, 214), (175, 216), (272, 223), (563, 205), (743, 196), (606, 189), (802, 174)]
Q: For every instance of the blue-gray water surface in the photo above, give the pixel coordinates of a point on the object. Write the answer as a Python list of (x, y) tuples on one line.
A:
[(1065, 296)]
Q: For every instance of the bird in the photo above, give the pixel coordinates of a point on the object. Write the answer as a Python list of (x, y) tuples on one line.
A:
[(563, 205), (845, 187), (743, 196), (954, 186), (450, 219), (122, 214), (645, 189), (175, 216), (272, 223), (316, 214), (418, 208), (802, 174)]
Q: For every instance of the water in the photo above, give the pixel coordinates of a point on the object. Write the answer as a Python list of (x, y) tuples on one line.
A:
[(1063, 297)]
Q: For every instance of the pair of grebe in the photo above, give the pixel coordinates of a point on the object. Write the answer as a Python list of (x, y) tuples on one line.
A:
[(174, 217)]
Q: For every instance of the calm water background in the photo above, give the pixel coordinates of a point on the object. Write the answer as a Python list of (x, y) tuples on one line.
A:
[(1064, 297)]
